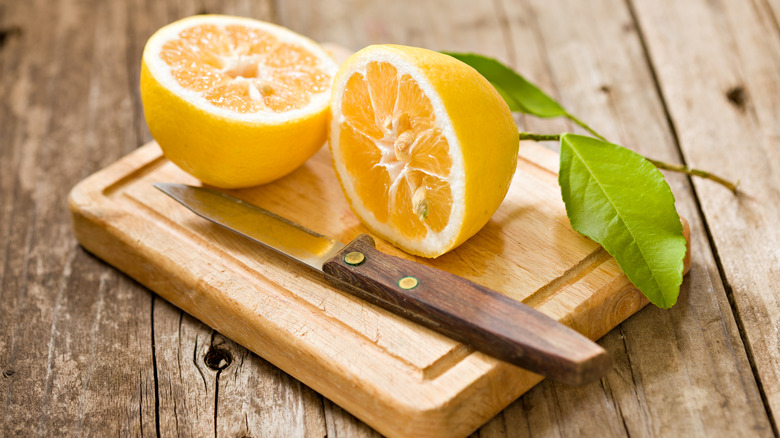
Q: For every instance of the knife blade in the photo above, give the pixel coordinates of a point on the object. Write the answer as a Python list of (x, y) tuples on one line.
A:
[(454, 306)]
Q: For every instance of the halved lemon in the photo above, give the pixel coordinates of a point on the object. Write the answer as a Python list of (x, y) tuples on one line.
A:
[(234, 101), (423, 145)]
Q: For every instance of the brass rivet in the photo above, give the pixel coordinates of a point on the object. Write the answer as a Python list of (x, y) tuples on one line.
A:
[(354, 258), (408, 283)]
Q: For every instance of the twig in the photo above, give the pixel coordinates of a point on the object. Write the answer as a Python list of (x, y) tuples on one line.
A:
[(584, 126), (659, 164), (539, 137), (697, 172)]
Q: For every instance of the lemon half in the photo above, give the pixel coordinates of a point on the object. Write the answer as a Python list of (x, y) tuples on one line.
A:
[(423, 146), (234, 101)]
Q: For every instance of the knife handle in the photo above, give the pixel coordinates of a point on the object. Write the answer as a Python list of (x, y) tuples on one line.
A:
[(467, 312)]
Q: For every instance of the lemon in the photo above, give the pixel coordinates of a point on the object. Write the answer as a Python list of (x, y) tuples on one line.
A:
[(423, 146), (233, 101)]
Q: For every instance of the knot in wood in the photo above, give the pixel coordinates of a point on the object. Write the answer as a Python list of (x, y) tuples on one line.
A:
[(737, 96), (217, 358)]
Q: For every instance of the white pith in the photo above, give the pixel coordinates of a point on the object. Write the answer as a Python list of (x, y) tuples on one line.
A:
[(433, 242), (162, 71)]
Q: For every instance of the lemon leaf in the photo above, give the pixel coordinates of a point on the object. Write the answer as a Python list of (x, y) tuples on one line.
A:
[(620, 200), (519, 94)]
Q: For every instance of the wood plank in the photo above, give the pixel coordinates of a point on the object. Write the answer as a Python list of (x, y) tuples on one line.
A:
[(52, 295), (718, 65), (602, 76)]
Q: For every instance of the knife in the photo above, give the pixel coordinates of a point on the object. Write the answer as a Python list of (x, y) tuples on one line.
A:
[(451, 305)]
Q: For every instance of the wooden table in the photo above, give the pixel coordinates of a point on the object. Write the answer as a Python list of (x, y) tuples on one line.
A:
[(85, 350)]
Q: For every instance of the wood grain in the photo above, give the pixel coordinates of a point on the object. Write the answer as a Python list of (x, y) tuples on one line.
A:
[(725, 116), (70, 106), (59, 312), (603, 75)]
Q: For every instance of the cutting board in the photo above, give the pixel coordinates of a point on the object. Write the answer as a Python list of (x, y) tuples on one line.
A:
[(400, 378)]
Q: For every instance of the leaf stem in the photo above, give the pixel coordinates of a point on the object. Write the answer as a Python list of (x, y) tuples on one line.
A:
[(584, 126), (539, 137), (659, 164), (697, 172)]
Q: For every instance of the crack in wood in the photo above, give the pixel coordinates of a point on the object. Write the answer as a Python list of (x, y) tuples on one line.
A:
[(131, 56), (178, 351), (93, 336), (506, 30), (66, 274), (22, 287), (659, 91), (175, 407), (607, 390), (609, 394), (141, 402), (156, 381), (195, 363), (728, 289), (219, 369)]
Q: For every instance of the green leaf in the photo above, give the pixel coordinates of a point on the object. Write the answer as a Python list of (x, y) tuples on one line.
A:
[(620, 200), (518, 93)]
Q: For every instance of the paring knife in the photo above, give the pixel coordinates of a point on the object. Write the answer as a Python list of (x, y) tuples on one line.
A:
[(461, 309)]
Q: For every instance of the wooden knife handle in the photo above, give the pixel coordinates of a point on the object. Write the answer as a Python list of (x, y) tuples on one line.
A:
[(469, 313)]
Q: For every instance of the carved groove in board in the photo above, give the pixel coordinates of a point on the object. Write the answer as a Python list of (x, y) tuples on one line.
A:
[(176, 229), (111, 190), (447, 362), (438, 367), (569, 277)]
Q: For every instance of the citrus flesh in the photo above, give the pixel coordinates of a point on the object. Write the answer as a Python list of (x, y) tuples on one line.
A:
[(423, 145), (233, 101)]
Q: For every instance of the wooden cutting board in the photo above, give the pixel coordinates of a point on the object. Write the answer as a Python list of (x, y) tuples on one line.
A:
[(398, 377)]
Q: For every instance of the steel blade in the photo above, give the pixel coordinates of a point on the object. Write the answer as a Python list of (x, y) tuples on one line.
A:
[(256, 223)]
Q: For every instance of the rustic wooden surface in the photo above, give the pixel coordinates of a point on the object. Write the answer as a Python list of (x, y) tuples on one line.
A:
[(85, 350)]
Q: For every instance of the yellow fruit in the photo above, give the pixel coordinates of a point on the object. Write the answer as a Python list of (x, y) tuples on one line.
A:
[(233, 101), (423, 145)]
